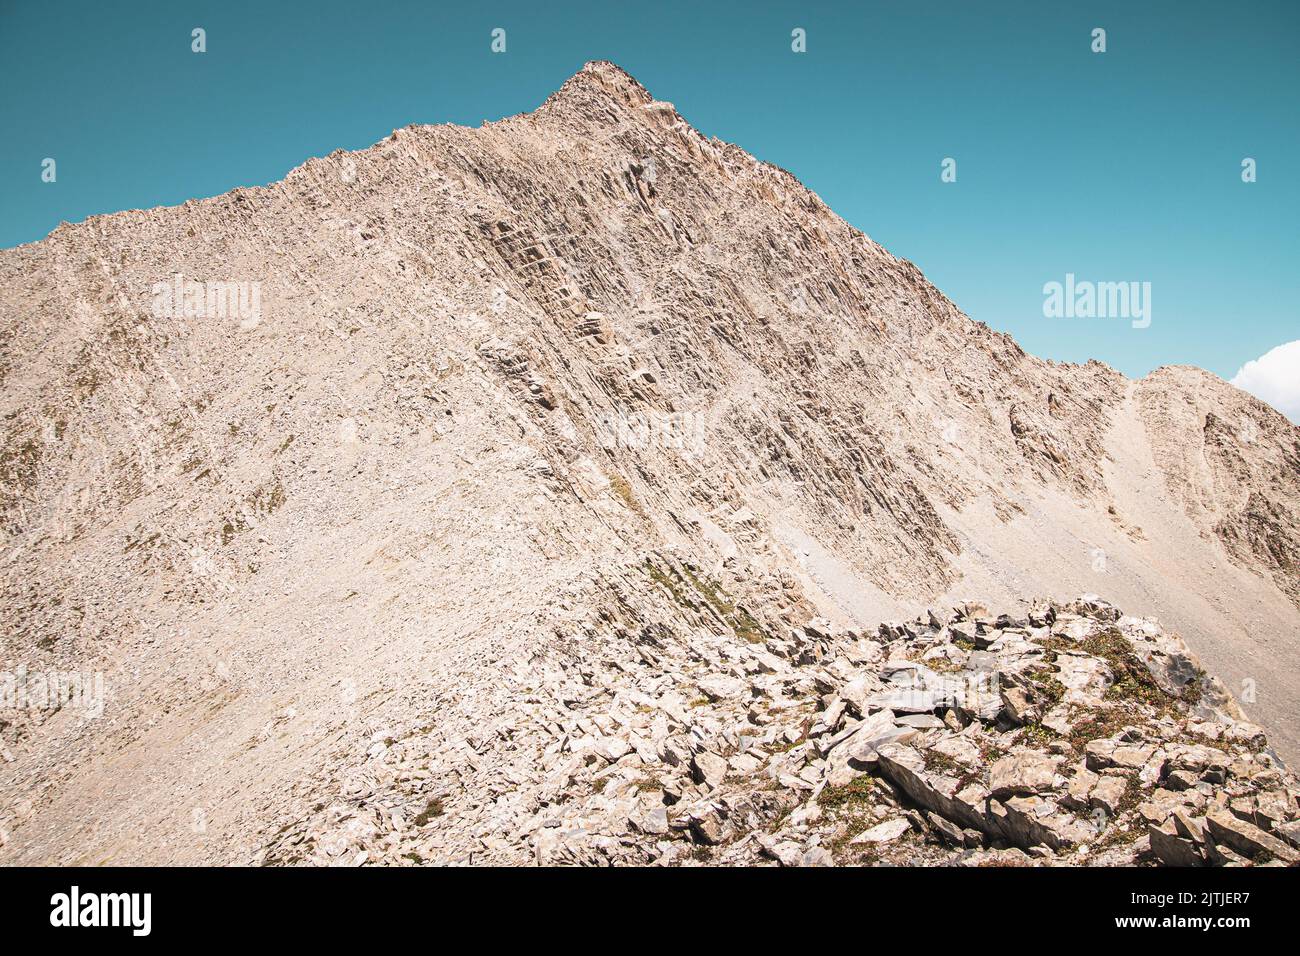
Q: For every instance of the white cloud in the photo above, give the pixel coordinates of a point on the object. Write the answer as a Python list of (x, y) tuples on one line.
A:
[(1274, 377)]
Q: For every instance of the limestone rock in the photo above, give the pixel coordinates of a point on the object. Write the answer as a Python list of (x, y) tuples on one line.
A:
[(1024, 773), (883, 832)]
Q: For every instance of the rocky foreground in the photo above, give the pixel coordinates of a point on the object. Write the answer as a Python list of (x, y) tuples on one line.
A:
[(1070, 734)]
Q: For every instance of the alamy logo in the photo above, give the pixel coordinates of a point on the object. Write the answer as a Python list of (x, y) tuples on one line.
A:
[(655, 432), (186, 298), (1098, 300), (103, 909), (52, 690)]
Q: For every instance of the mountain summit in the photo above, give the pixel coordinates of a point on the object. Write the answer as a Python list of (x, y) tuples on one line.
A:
[(395, 497)]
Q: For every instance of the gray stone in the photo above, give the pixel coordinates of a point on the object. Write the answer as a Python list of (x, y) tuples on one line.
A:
[(870, 735), (1078, 790), (744, 763), (721, 687), (1290, 832), (946, 829), (707, 828), (921, 721), (785, 852), (708, 768), (613, 749), (1172, 849), (905, 768), (1030, 821), (883, 832), (1189, 827), (816, 856), (965, 631), (1248, 839), (1108, 793), (1023, 774), (819, 628), (1017, 705), (912, 700), (1102, 754), (653, 822)]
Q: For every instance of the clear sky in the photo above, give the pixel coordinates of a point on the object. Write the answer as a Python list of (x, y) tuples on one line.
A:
[(1115, 166)]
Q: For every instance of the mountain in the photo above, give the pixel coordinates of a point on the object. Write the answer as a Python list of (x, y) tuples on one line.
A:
[(359, 464)]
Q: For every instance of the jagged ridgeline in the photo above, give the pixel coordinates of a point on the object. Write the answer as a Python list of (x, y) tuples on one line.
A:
[(511, 494)]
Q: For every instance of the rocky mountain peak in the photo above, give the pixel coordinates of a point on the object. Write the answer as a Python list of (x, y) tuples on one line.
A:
[(599, 78), (561, 415)]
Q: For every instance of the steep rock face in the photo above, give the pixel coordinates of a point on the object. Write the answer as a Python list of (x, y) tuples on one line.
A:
[(1234, 466), (490, 367)]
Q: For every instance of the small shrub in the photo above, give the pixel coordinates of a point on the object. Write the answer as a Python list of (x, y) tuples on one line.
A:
[(431, 810)]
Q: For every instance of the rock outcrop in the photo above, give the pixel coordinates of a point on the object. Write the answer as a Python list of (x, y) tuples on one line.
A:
[(1057, 735)]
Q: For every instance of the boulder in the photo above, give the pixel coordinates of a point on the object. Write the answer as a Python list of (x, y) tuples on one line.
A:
[(883, 832), (1172, 849), (718, 687), (1248, 839), (708, 768), (1102, 754), (873, 733), (1290, 832), (816, 856), (707, 827), (920, 721), (945, 795), (1034, 821), (1108, 793), (1017, 705), (1023, 774)]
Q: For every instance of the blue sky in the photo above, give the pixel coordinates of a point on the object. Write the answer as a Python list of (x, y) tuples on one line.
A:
[(1119, 166)]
